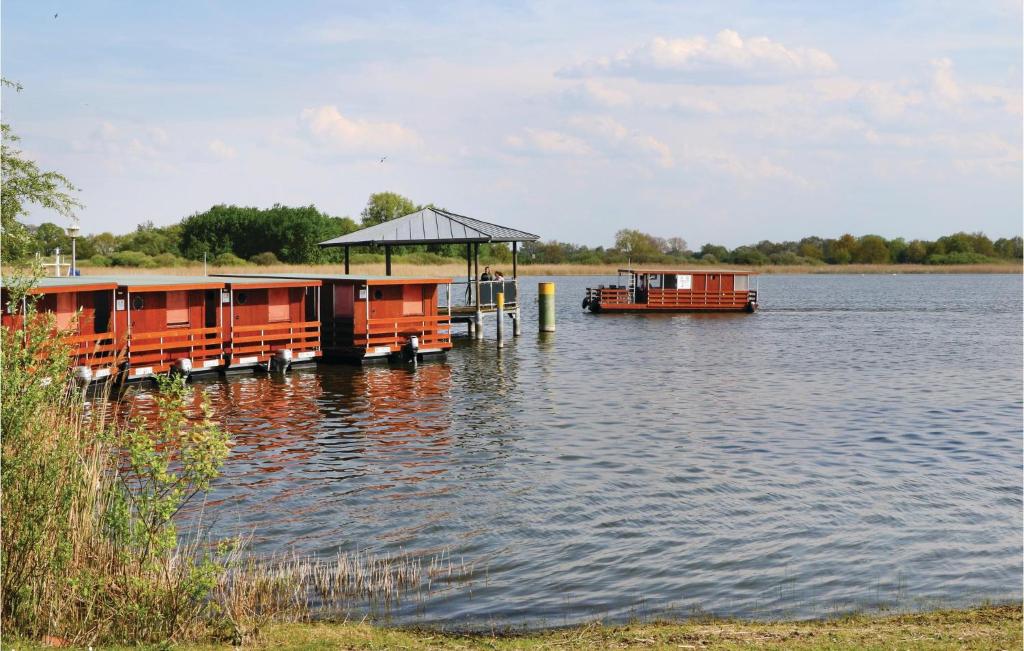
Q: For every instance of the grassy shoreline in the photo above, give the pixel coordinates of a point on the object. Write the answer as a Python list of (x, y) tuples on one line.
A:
[(459, 270), (983, 627)]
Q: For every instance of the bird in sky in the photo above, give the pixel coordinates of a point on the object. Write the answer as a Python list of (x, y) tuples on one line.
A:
[(383, 158), (55, 15)]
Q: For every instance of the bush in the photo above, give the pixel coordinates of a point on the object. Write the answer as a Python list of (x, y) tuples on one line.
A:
[(89, 548), (168, 260), (228, 260), (264, 259), (959, 257), (100, 261), (132, 259)]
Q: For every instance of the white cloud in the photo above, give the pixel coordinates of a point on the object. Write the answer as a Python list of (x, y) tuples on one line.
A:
[(944, 85), (617, 136), (326, 125), (548, 142), (593, 93), (221, 149), (724, 59)]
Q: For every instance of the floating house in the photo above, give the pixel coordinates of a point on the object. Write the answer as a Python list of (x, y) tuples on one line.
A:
[(269, 320), (363, 318), (82, 304), (675, 290), (478, 294), (170, 322)]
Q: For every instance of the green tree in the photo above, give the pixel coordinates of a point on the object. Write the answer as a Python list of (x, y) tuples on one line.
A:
[(24, 185), (639, 246), (916, 252), (48, 237), (385, 206), (871, 249)]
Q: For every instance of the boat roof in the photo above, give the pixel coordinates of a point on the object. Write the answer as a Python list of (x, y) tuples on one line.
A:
[(373, 280), (159, 282), (267, 281), (56, 284), (738, 272)]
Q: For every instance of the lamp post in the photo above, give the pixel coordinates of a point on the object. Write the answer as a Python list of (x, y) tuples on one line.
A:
[(73, 231)]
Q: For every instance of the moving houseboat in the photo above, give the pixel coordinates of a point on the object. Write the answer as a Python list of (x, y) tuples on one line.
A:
[(674, 290), (94, 342), (366, 318), (269, 321)]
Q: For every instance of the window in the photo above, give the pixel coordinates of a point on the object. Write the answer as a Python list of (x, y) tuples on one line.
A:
[(137, 302), (177, 309), (684, 281), (412, 300), (65, 310), (344, 301), (277, 308), (742, 283)]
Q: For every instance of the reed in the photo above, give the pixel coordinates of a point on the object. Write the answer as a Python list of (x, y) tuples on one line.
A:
[(458, 271)]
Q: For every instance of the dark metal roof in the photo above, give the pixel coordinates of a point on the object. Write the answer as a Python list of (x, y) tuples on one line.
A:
[(432, 226)]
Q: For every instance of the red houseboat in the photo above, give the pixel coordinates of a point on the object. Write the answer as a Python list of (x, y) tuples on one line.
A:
[(170, 322), (675, 290), (94, 339), (269, 321), (365, 318)]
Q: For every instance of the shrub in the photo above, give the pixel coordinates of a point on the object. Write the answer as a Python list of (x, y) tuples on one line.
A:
[(168, 260), (264, 259), (228, 260), (132, 259), (89, 549), (958, 257), (100, 261)]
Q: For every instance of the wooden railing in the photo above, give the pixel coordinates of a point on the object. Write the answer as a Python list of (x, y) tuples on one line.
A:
[(95, 350), (263, 339), (433, 331), (687, 298), (608, 295), (160, 350)]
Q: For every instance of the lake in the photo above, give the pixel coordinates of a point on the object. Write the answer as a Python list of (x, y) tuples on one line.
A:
[(856, 443)]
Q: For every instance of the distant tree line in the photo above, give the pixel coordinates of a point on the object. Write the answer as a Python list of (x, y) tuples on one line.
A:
[(237, 235), (635, 246)]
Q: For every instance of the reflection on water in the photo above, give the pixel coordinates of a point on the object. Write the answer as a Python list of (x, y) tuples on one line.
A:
[(857, 442)]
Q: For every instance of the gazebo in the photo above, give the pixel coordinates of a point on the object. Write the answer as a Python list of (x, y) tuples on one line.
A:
[(436, 226)]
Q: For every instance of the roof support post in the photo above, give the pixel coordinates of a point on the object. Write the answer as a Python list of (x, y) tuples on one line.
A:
[(469, 271), (387, 260), (346, 259), (476, 272), (515, 256)]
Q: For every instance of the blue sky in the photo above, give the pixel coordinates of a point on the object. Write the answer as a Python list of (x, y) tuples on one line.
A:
[(728, 122)]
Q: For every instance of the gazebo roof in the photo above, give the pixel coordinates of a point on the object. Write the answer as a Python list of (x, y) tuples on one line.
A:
[(431, 226)]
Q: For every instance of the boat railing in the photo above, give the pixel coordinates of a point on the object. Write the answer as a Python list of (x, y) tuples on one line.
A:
[(463, 293), (607, 294), (433, 331), (94, 350), (265, 338), (159, 350)]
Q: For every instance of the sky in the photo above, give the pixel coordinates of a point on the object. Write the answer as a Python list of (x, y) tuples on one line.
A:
[(726, 122)]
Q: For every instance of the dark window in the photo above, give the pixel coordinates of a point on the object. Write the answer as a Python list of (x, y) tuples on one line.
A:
[(378, 294), (241, 298), (137, 302)]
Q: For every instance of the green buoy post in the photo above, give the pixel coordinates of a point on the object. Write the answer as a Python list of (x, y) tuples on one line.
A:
[(546, 306)]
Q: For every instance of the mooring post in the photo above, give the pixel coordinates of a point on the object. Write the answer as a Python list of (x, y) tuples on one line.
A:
[(479, 325), (546, 306), (517, 325), (500, 314)]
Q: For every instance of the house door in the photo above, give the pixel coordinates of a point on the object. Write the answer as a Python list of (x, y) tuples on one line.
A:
[(714, 283)]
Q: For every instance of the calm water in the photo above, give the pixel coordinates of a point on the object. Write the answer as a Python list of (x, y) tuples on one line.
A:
[(858, 441)]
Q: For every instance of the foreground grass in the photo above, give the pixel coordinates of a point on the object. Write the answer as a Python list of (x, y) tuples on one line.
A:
[(986, 627), (458, 271)]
